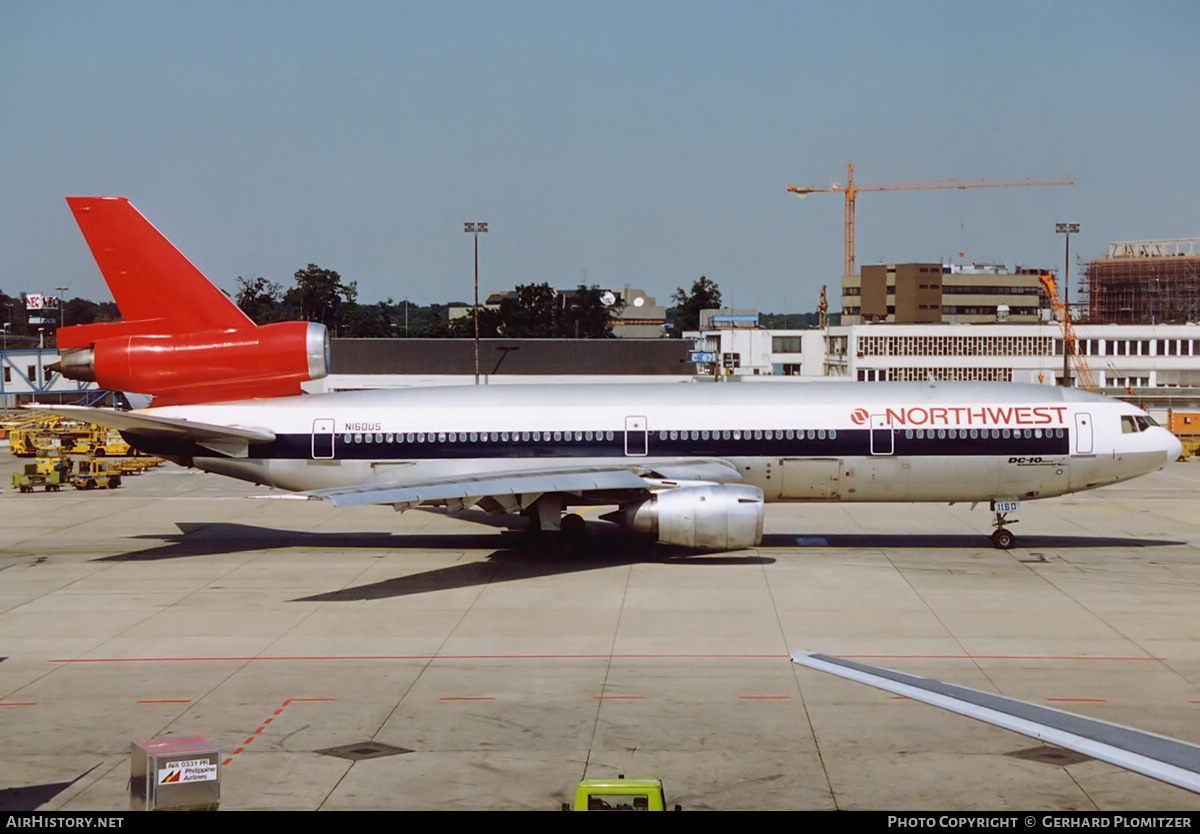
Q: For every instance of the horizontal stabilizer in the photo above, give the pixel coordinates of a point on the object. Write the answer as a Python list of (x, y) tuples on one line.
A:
[(228, 440)]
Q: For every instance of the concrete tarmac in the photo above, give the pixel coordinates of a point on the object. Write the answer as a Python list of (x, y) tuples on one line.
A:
[(363, 659)]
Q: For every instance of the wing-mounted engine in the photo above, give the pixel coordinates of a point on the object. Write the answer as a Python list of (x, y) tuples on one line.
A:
[(181, 339), (707, 516)]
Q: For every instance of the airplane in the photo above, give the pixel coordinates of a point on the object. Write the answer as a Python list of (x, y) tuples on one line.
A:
[(689, 464)]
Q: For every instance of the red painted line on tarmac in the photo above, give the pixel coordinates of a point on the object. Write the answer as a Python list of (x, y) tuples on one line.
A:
[(19, 704), (619, 697), (423, 657), (166, 701), (765, 697), (988, 657), (267, 721), (1080, 700), (466, 698), (665, 656)]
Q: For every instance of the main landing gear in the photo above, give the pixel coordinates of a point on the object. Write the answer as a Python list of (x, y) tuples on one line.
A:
[(546, 516), (1002, 538)]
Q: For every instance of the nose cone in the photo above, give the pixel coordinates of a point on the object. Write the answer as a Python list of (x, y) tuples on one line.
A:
[(1174, 447)]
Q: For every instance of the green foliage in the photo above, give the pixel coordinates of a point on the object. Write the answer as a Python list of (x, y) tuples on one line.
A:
[(704, 295), (262, 300), (320, 295), (536, 311)]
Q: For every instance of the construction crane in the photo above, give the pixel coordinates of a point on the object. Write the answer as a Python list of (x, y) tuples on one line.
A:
[(1070, 342), (851, 192)]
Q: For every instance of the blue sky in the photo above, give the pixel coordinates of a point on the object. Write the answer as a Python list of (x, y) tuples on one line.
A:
[(610, 143)]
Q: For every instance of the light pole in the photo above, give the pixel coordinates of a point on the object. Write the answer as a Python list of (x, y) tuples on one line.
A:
[(1067, 229), (61, 304), (476, 229)]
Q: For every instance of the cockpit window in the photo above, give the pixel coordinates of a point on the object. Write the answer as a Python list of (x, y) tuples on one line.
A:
[(1133, 423)]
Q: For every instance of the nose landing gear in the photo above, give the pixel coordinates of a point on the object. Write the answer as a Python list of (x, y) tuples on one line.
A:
[(1003, 538)]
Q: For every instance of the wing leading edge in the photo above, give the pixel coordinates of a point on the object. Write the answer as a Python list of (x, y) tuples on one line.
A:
[(1166, 759)]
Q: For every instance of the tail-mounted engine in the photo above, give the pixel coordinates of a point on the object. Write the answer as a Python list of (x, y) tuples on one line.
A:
[(708, 516), (270, 360)]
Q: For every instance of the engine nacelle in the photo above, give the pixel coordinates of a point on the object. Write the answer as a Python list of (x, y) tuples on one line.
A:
[(269, 360), (708, 516)]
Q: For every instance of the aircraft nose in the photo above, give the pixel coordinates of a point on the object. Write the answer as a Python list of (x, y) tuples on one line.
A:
[(1174, 447)]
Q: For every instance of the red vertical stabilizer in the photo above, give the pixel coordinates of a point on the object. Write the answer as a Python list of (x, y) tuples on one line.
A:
[(180, 339)]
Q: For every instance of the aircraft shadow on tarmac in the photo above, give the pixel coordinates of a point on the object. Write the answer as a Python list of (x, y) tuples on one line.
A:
[(520, 556), (32, 797), (953, 541)]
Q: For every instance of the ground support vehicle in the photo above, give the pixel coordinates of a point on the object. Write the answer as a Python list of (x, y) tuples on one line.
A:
[(51, 480), (619, 794), (95, 473)]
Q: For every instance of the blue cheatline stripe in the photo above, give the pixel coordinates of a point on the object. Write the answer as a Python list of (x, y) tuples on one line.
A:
[(842, 443)]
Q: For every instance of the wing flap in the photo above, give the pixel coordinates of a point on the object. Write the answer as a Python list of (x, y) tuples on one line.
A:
[(512, 490)]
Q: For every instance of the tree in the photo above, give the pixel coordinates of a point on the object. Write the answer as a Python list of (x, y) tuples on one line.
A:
[(261, 300), (704, 295), (586, 315), (537, 311), (532, 313), (320, 295)]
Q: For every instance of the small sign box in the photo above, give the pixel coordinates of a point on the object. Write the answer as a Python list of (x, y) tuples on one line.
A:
[(177, 773)]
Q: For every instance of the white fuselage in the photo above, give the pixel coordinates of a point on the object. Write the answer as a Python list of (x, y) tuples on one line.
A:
[(796, 442)]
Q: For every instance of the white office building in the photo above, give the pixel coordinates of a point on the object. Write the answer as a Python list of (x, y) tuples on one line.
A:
[(1153, 359)]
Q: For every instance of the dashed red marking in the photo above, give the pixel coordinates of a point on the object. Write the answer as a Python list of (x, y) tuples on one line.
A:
[(19, 704), (267, 721), (619, 697), (468, 698)]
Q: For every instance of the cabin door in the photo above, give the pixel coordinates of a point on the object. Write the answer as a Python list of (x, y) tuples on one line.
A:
[(635, 436), (322, 439), (881, 435), (1083, 433)]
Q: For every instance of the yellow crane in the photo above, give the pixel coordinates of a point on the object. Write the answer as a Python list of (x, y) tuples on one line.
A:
[(850, 191), (1070, 342)]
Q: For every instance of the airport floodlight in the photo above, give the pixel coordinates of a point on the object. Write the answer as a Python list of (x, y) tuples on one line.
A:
[(1067, 229), (476, 228)]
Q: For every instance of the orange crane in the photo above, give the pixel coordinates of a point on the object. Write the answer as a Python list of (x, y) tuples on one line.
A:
[(851, 192), (1070, 342)]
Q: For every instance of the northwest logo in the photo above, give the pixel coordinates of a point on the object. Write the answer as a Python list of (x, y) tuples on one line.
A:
[(967, 416)]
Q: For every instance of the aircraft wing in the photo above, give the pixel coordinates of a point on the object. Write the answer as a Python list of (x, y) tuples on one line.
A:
[(227, 440), (516, 489), (1166, 759)]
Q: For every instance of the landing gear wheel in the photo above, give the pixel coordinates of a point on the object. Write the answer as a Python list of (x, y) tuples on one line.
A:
[(573, 526), (1003, 539)]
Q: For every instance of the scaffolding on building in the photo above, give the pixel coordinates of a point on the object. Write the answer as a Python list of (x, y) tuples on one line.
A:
[(1145, 282)]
